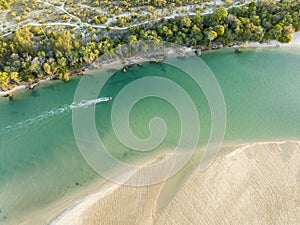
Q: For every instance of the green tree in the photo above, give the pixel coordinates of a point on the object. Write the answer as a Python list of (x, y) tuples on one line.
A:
[(286, 39), (219, 29), (196, 35), (220, 14), (4, 80), (211, 35), (257, 33), (63, 42), (23, 40), (14, 76), (275, 32), (47, 69), (186, 22), (287, 34), (198, 19), (288, 30), (132, 38)]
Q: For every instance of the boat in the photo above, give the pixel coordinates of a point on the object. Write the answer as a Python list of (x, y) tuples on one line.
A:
[(106, 99)]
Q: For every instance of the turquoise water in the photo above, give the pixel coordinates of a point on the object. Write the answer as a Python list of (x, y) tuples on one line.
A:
[(40, 162), (262, 93)]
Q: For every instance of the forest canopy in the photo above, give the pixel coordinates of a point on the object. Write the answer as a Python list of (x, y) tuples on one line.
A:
[(33, 52)]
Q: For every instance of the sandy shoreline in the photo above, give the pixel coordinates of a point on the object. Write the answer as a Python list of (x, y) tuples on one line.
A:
[(84, 208), (84, 203), (110, 65), (71, 215), (258, 183), (100, 208)]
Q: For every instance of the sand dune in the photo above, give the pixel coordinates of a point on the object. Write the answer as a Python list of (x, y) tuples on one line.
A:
[(254, 184)]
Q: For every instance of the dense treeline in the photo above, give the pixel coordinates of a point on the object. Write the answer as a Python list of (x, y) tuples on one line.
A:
[(34, 52), (129, 4), (254, 22)]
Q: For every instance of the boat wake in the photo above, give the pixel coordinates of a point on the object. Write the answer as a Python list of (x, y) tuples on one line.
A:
[(66, 108)]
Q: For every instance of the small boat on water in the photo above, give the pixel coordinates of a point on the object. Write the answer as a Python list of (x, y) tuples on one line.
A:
[(86, 103), (106, 99)]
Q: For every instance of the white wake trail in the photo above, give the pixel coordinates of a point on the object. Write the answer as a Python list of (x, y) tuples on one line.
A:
[(66, 108)]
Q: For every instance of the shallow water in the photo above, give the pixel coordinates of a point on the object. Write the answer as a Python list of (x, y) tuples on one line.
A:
[(40, 162)]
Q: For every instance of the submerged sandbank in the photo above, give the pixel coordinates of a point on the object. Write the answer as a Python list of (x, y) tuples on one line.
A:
[(256, 183)]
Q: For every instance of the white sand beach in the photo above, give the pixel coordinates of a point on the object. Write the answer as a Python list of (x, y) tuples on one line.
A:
[(273, 44), (256, 183)]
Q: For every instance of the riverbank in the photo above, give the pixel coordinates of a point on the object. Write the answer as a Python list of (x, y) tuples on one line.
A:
[(257, 179), (256, 112), (170, 52)]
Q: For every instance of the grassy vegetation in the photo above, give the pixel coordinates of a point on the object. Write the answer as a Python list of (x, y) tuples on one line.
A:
[(70, 40)]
